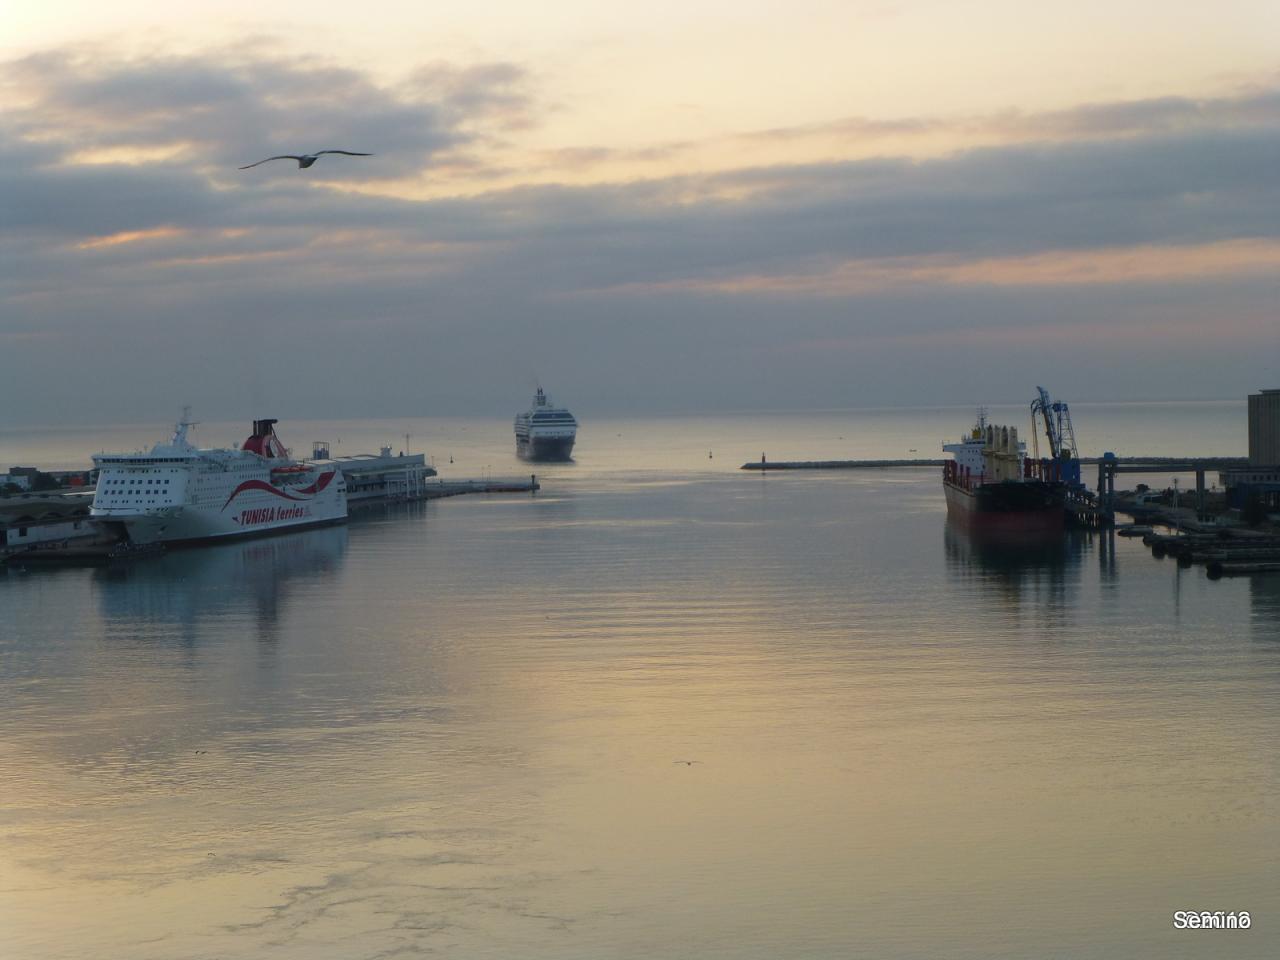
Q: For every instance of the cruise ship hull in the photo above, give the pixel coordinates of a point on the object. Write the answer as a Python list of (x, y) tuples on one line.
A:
[(545, 449), (190, 527), (545, 432), (1028, 506)]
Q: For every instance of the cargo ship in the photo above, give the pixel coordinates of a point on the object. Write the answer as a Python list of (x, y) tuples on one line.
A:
[(177, 493), (990, 483), (545, 432)]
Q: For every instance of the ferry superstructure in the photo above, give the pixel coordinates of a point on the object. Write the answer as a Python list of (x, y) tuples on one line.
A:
[(178, 493), (991, 483), (545, 431)]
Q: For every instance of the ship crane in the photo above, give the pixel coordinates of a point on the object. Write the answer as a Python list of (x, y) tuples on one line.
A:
[(1057, 427)]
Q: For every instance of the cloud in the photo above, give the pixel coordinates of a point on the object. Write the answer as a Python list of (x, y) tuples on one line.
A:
[(219, 110), (478, 92), (1180, 190), (124, 228), (1054, 268), (917, 137)]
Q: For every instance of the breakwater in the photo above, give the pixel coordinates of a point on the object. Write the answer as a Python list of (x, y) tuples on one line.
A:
[(1147, 464), (835, 464), (447, 488)]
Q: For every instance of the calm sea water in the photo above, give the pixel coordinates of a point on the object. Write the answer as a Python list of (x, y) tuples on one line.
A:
[(451, 728)]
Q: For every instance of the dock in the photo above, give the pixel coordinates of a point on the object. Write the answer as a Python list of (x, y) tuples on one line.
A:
[(453, 488), (46, 520), (378, 477), (439, 488), (1226, 552), (82, 552), (55, 530), (1124, 464), (1111, 466), (1084, 514), (407, 476), (766, 465)]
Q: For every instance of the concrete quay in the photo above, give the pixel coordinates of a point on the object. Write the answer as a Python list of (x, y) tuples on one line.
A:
[(767, 465), (1126, 464), (452, 488), (54, 528)]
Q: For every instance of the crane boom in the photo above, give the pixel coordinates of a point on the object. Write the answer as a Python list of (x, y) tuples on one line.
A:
[(1064, 462), (1057, 425), (1044, 406)]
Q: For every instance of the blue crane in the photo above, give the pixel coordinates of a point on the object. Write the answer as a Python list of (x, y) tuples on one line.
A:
[(1057, 426), (1059, 431)]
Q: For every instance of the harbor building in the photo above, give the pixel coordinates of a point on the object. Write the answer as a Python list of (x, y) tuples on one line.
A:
[(1264, 429), (1261, 477), (382, 477), (31, 520), (20, 480)]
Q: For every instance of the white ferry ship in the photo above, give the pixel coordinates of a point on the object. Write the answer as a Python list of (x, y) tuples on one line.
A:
[(545, 431), (177, 493)]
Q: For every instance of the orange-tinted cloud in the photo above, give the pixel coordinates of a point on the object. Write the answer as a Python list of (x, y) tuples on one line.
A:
[(1056, 268), (854, 138), (130, 236)]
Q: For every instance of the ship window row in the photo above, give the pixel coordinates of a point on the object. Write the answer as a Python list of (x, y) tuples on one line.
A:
[(134, 482)]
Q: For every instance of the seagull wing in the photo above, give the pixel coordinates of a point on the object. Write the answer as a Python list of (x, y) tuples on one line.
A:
[(283, 156), (349, 153)]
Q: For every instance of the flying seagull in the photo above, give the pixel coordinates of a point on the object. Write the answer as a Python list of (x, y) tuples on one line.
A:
[(307, 159)]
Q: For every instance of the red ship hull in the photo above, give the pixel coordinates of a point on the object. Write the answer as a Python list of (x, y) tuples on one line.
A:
[(1031, 507)]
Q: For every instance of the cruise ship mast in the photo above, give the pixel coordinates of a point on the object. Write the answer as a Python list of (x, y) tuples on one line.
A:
[(180, 428)]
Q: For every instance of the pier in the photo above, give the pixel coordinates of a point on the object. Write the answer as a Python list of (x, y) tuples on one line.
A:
[(1226, 552), (453, 488), (54, 529), (47, 520), (1084, 511), (1110, 467), (380, 477), (1113, 465), (407, 476), (766, 465)]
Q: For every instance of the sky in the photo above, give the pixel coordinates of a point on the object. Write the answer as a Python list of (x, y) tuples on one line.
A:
[(666, 207)]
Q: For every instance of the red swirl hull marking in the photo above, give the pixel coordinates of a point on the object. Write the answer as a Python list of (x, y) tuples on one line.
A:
[(262, 485)]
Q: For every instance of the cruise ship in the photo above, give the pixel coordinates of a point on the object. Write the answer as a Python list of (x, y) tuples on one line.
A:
[(991, 484), (545, 431), (177, 493)]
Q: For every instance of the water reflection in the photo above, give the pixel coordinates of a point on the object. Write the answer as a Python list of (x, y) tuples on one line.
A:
[(1107, 554), (459, 739), (1012, 565), (1004, 552), (1264, 599), (249, 580)]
